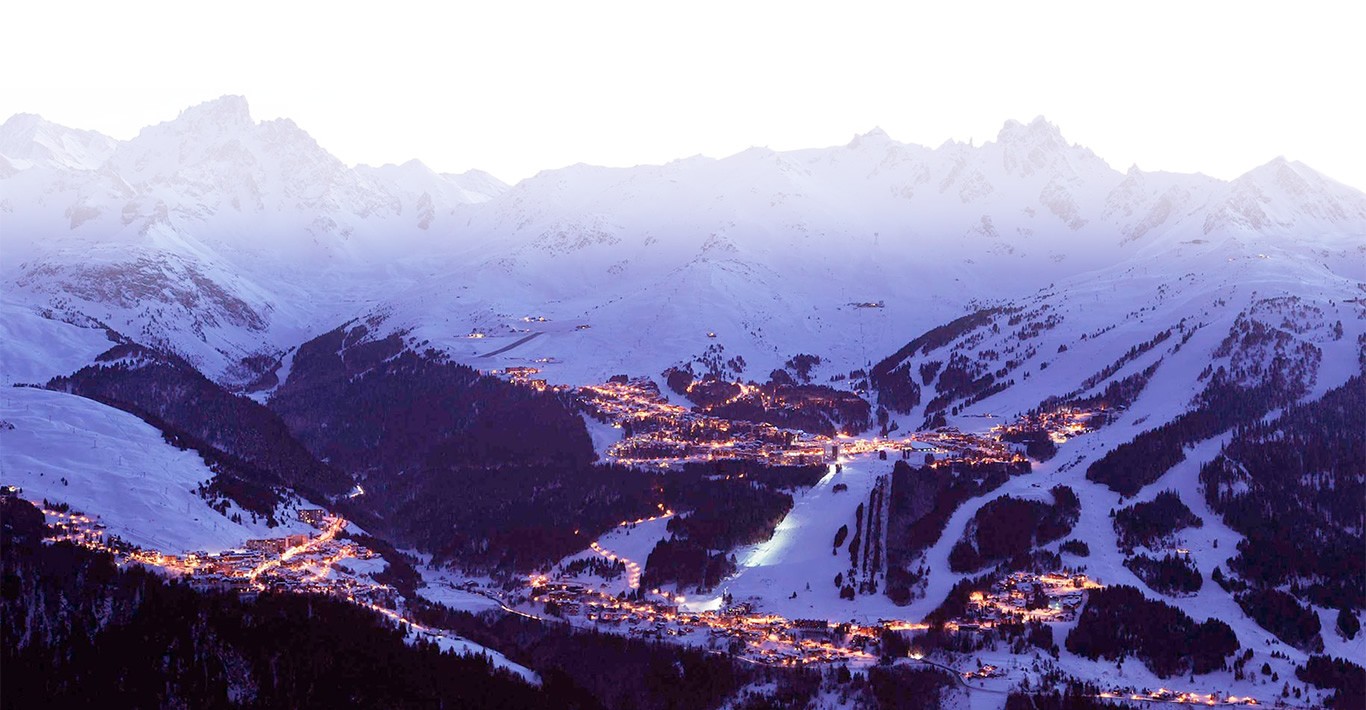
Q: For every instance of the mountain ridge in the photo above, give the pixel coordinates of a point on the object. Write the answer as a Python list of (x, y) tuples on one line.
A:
[(222, 210)]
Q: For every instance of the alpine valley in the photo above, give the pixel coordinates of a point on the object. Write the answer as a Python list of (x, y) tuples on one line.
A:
[(388, 437)]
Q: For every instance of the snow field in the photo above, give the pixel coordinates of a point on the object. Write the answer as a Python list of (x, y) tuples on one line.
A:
[(119, 468)]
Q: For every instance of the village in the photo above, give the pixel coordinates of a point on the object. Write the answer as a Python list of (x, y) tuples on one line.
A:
[(1025, 596), (737, 629), (296, 563), (312, 564), (659, 433), (1059, 424)]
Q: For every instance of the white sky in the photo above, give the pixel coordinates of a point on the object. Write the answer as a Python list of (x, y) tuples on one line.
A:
[(513, 87)]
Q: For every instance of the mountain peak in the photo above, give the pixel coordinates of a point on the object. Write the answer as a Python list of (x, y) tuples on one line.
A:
[(1282, 196), (1037, 131), (1039, 147), (35, 140), (1278, 169), (21, 122), (226, 111), (29, 126), (876, 137)]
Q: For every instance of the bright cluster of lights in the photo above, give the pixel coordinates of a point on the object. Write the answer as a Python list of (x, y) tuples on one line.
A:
[(665, 434), (766, 638)]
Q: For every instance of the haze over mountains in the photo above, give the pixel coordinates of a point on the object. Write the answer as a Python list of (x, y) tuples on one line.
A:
[(227, 326), (225, 239)]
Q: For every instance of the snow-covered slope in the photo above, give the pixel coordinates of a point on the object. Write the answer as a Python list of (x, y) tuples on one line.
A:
[(35, 349), (1054, 341), (28, 140), (107, 462)]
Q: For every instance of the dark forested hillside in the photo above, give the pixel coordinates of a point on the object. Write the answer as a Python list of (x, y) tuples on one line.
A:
[(1295, 488), (1346, 679), (1007, 526), (197, 413), (1150, 522), (1119, 621), (613, 670), (1281, 614), (894, 378), (1223, 404), (1268, 368), (489, 473), (76, 631), (1072, 698), (511, 517), (921, 500), (724, 513), (372, 406), (1173, 575), (725, 504)]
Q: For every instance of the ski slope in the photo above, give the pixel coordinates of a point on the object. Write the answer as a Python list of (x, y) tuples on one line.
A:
[(108, 463), (798, 554), (35, 349)]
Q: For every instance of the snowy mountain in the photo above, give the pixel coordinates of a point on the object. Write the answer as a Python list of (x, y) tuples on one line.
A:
[(960, 286), (206, 233), (773, 252), (230, 241), (27, 140)]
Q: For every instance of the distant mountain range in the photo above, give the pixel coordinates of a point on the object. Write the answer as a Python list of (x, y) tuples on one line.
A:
[(230, 241)]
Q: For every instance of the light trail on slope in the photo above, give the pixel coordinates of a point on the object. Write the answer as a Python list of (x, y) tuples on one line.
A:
[(633, 569)]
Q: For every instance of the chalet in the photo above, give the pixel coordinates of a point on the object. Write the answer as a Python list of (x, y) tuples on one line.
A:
[(312, 516)]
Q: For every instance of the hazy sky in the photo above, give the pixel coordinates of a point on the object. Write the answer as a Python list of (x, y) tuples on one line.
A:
[(512, 88)]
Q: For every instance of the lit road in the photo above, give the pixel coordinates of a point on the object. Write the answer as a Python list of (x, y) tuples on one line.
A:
[(632, 567), (336, 526)]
